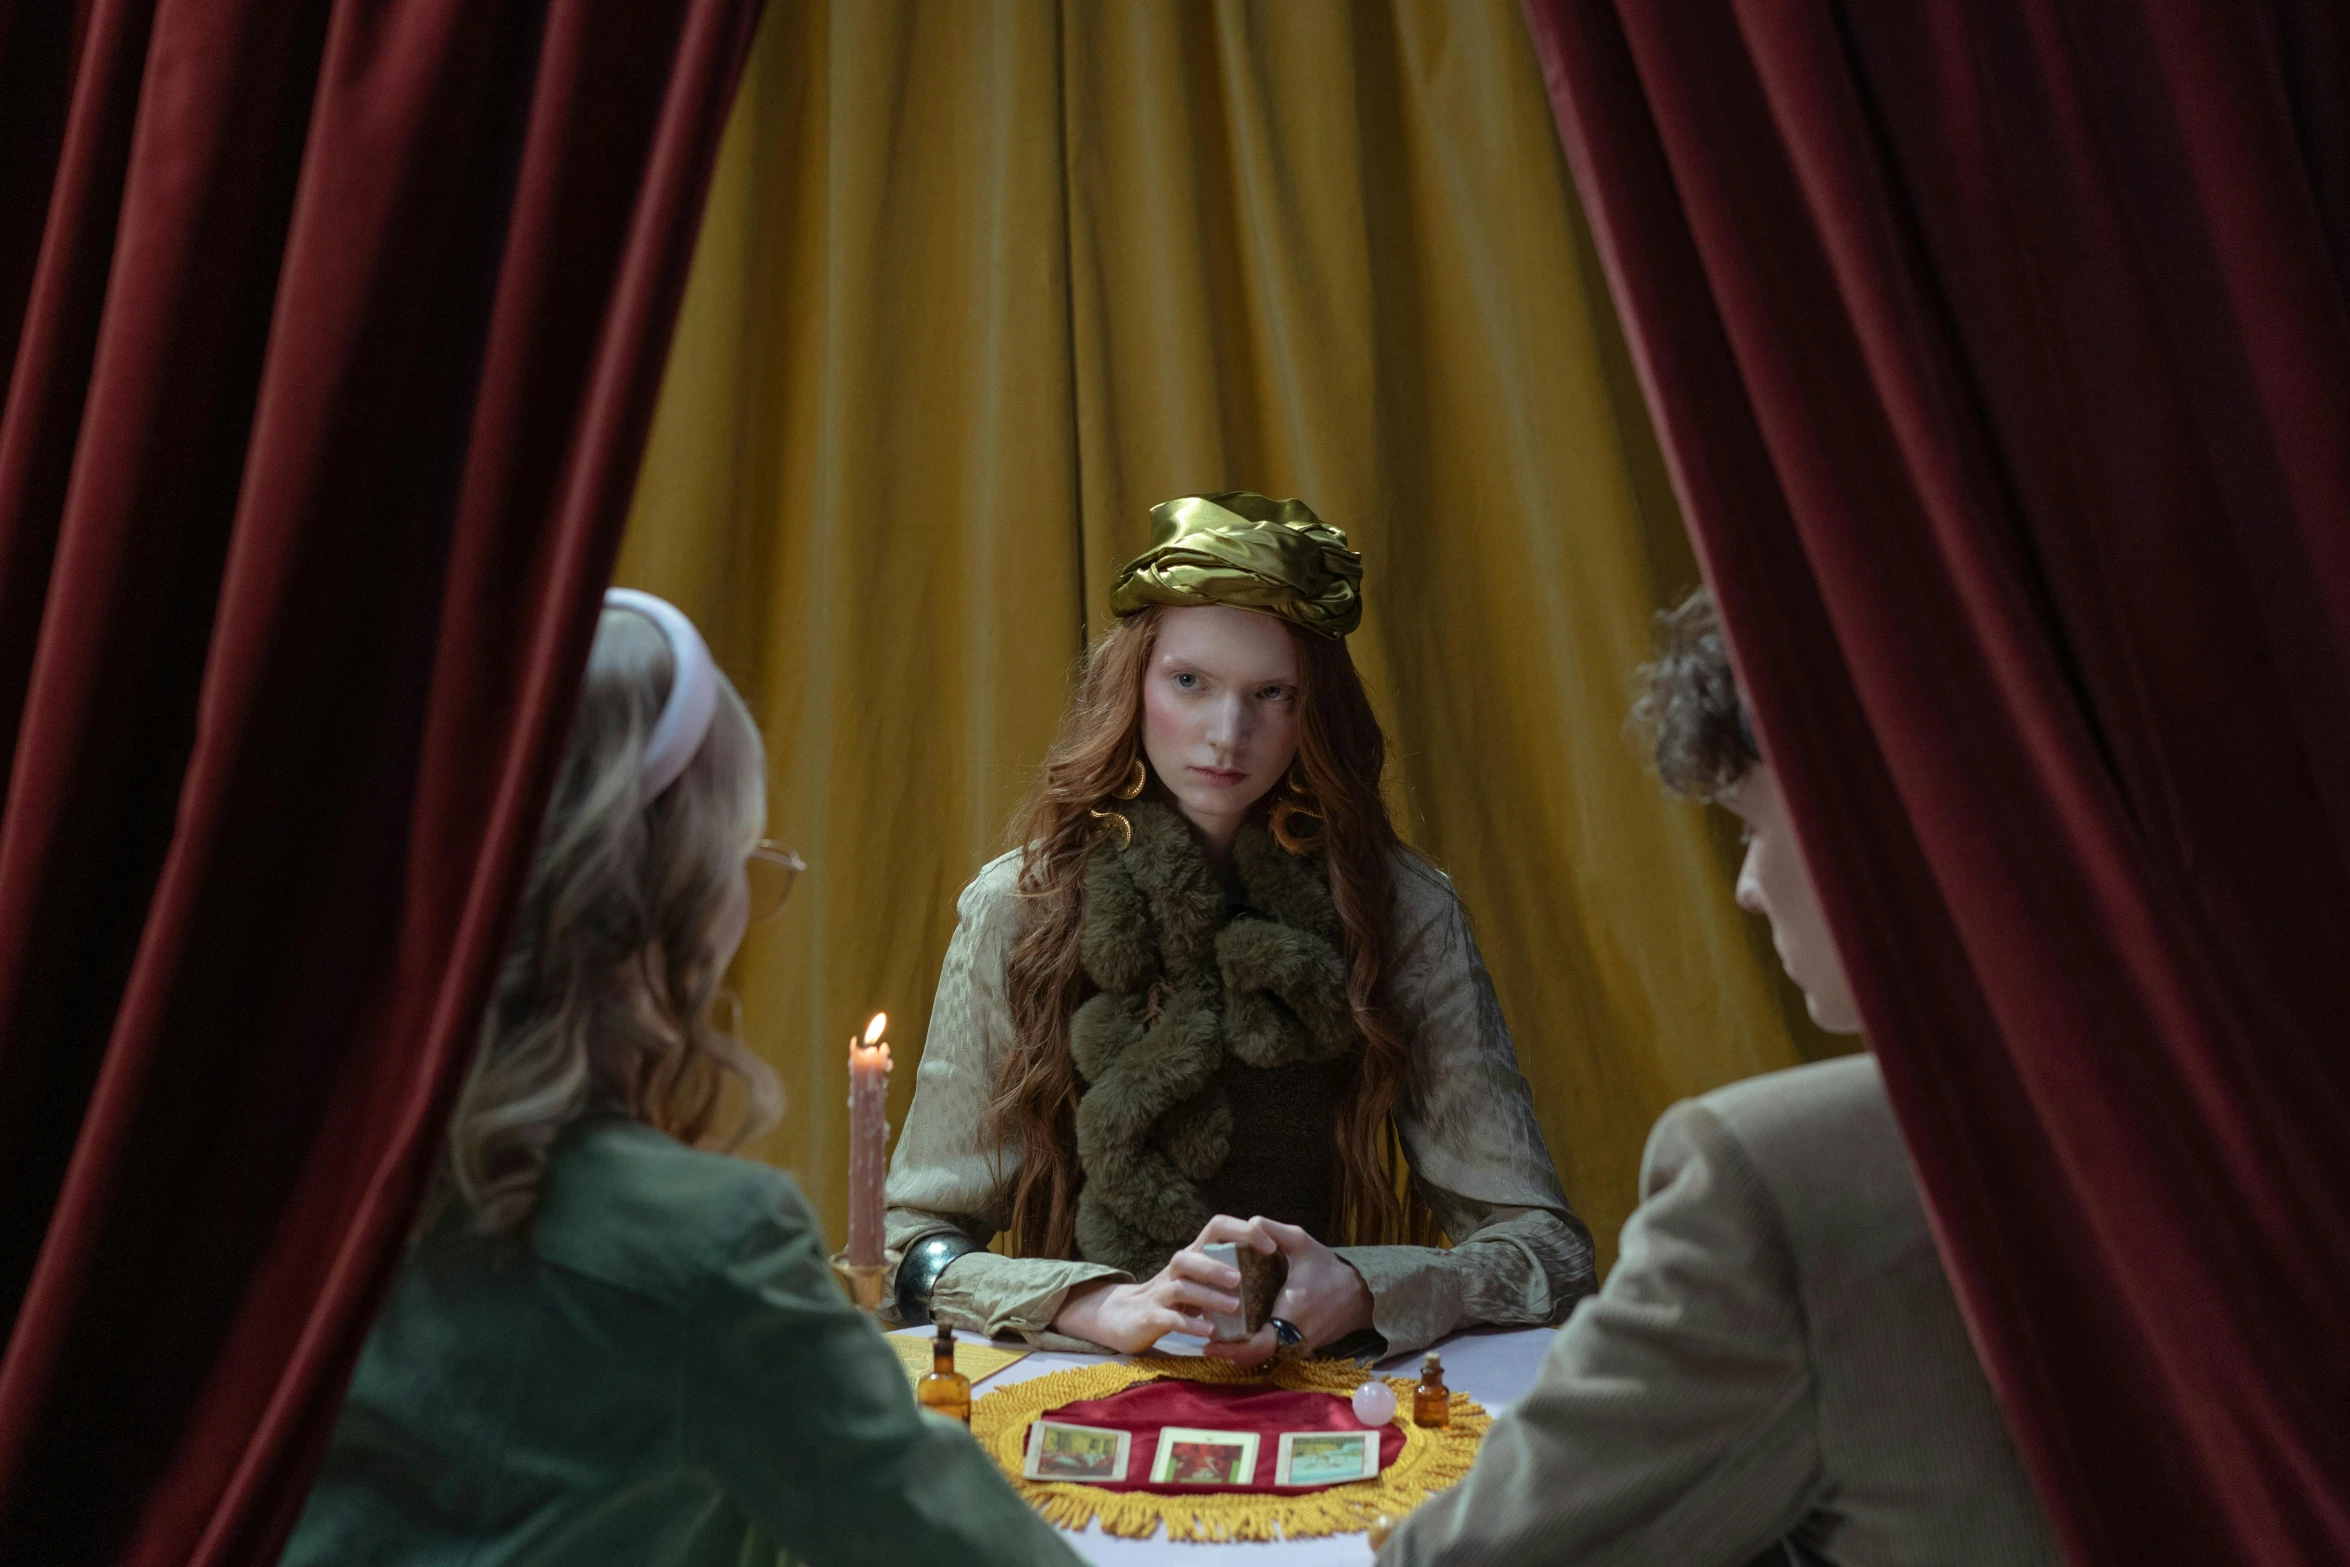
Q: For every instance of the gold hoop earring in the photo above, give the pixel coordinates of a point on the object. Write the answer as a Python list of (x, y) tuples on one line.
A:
[(1117, 820), (1128, 790), (1295, 801)]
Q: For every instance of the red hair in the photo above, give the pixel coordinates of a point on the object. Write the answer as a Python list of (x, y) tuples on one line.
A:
[(1341, 755)]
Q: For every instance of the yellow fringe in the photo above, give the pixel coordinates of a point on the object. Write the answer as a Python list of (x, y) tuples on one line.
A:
[(1430, 1460)]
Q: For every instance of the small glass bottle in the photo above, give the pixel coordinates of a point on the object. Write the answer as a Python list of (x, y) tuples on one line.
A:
[(945, 1391), (1431, 1401)]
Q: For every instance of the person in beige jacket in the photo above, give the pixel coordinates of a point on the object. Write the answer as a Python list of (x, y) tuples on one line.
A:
[(1776, 1370)]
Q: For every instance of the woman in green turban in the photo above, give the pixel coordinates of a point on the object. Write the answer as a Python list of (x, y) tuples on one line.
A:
[(1212, 997)]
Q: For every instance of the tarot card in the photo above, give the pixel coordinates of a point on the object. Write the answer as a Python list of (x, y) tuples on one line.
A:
[(1192, 1457), (1326, 1457), (1059, 1452)]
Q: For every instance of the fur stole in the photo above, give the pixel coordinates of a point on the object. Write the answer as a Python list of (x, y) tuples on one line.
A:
[(1183, 987)]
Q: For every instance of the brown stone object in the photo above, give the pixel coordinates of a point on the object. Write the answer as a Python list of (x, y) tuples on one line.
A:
[(1261, 1276)]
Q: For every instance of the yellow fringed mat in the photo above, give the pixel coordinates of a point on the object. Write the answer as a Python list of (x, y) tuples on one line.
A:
[(1430, 1461)]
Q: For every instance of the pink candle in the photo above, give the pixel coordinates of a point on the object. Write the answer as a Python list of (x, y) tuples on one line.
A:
[(868, 1141)]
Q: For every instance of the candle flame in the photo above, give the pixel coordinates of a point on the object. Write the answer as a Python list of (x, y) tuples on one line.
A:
[(875, 1029)]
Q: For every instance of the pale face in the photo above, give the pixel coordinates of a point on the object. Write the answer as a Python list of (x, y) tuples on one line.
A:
[(1219, 713), (1776, 884)]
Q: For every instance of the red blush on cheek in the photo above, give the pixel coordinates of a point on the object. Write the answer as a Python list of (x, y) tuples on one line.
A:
[(1162, 720)]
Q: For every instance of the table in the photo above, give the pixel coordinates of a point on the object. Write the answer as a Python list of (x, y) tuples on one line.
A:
[(1494, 1366)]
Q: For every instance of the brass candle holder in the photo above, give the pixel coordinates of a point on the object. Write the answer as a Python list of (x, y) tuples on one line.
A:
[(863, 1281)]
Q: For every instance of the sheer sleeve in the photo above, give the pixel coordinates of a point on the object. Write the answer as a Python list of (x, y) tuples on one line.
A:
[(1520, 1257), (947, 1173)]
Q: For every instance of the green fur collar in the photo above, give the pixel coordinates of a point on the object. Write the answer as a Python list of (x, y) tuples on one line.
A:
[(1183, 986)]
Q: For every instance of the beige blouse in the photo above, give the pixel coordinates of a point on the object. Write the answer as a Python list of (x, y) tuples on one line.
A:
[(1520, 1256)]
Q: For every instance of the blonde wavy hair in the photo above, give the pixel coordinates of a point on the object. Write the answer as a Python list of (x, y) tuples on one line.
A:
[(603, 1001)]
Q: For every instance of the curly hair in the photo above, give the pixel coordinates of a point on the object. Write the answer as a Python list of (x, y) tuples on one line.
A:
[(1342, 754), (602, 1004), (1690, 709)]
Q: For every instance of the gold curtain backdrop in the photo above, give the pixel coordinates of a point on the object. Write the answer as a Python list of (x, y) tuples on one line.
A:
[(979, 283)]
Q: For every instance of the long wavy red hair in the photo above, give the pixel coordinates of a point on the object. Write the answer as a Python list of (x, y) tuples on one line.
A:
[(1341, 755)]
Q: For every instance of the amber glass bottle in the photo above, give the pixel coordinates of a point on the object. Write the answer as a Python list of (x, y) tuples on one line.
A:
[(1431, 1400), (946, 1390)]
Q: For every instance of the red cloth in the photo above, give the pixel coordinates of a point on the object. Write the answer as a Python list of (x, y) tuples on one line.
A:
[(2001, 352), (337, 329), (1149, 1406)]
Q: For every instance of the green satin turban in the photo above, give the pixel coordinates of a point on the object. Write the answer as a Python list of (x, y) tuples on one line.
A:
[(1241, 549)]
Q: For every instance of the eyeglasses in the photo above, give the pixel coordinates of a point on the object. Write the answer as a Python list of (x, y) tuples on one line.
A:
[(771, 869)]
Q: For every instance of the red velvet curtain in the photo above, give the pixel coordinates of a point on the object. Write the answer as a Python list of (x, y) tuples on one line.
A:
[(2001, 349), (335, 332)]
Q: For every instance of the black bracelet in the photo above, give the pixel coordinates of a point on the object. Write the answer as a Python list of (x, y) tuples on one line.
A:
[(918, 1272)]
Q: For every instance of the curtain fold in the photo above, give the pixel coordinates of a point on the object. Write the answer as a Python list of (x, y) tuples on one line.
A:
[(2002, 356), (979, 285), (336, 341)]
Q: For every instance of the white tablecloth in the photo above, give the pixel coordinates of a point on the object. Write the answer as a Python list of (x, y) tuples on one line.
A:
[(1492, 1367)]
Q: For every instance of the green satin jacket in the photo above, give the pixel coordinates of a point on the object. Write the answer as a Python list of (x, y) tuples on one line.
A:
[(663, 1375)]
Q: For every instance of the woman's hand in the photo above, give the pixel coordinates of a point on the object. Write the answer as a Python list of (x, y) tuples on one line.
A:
[(1130, 1318), (1325, 1299)]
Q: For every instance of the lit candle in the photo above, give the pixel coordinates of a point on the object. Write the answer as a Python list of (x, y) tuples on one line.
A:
[(868, 1141)]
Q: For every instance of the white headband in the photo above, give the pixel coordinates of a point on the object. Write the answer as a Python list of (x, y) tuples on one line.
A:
[(693, 692)]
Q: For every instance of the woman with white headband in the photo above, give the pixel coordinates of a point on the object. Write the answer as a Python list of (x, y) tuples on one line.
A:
[(608, 1344)]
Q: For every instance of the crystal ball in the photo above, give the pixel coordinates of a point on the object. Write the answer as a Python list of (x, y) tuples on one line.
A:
[(1374, 1403)]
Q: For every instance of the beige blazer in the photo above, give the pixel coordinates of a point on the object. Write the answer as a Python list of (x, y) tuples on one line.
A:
[(1776, 1354)]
